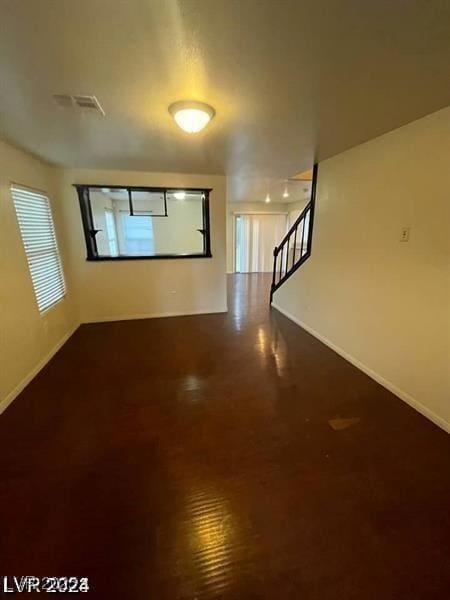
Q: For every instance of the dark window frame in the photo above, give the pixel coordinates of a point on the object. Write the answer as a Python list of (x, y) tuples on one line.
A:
[(90, 231)]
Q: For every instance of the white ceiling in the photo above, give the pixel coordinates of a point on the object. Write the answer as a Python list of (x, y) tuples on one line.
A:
[(291, 80)]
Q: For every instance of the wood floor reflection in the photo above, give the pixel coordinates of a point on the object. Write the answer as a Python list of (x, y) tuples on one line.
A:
[(222, 456)]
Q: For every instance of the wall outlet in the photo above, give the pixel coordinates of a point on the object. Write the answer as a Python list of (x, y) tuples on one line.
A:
[(404, 235)]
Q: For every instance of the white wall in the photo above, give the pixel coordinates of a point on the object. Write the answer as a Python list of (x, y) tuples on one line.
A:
[(383, 303), (26, 337), (139, 288), (255, 207)]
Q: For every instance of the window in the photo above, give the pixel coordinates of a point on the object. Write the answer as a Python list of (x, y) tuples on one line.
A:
[(137, 222), (38, 236), (138, 235)]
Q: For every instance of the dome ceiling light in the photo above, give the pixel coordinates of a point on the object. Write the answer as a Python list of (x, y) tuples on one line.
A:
[(191, 116)]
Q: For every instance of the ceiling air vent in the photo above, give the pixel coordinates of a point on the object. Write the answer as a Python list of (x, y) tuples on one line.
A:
[(79, 102), (89, 103), (63, 100)]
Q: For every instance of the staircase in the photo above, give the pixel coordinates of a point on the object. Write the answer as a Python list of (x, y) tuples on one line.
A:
[(295, 248)]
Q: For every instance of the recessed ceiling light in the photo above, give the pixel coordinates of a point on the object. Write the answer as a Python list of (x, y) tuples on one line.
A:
[(180, 195), (192, 117), (267, 200), (286, 193)]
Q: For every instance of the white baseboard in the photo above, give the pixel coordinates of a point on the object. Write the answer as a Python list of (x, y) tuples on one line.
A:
[(32, 374), (423, 410), (155, 315)]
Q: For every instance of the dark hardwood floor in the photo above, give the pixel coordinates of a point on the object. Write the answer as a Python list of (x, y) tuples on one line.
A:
[(193, 458)]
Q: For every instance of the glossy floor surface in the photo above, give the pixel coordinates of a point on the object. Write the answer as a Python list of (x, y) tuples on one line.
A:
[(211, 457)]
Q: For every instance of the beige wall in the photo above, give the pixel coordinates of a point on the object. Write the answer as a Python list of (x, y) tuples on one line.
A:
[(255, 207), (27, 338), (383, 303), (133, 288), (179, 233)]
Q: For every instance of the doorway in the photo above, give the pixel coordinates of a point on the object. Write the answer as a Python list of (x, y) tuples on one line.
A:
[(256, 235)]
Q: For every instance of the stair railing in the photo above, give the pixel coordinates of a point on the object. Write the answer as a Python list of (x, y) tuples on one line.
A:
[(295, 248)]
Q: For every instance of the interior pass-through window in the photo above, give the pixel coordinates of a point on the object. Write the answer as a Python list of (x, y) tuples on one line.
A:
[(130, 222)]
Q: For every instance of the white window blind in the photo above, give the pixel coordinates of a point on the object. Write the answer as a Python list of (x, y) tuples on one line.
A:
[(38, 235)]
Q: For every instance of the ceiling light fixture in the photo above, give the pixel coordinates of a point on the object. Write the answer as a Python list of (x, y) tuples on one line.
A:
[(267, 200), (286, 193), (191, 117), (180, 195)]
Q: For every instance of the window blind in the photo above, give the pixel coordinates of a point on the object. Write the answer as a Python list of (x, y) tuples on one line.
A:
[(38, 236)]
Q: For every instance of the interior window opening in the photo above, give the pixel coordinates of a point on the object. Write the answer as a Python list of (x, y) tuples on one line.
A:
[(129, 222)]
